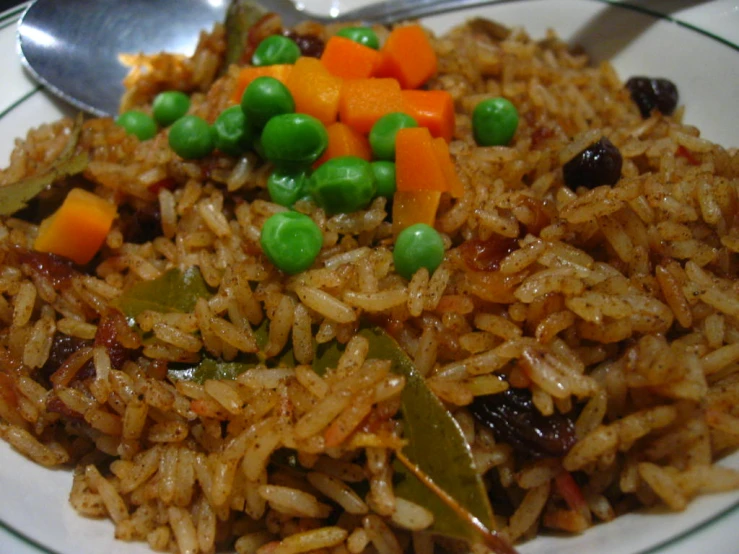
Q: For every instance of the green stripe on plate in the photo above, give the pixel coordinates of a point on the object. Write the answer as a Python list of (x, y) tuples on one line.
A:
[(20, 101), (23, 538), (12, 12)]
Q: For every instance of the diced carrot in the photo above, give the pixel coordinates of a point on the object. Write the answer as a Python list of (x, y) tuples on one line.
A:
[(411, 207), (348, 59), (433, 109), (408, 56), (248, 74), (364, 101), (416, 162), (78, 228), (454, 185), (344, 141), (316, 92)]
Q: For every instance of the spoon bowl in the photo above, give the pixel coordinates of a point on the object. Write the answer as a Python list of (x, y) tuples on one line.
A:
[(72, 46)]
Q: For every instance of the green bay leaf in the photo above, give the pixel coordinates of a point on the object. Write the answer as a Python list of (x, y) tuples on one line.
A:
[(240, 18), (175, 291)]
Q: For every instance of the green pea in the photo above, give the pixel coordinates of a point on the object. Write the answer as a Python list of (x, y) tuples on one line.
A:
[(264, 98), (291, 241), (137, 123), (293, 141), (191, 137), (343, 185), (233, 133), (494, 122), (169, 106), (384, 178), (418, 246), (383, 133), (275, 49), (363, 35), (287, 187)]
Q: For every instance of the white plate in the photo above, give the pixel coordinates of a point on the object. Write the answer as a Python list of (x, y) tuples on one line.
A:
[(696, 47)]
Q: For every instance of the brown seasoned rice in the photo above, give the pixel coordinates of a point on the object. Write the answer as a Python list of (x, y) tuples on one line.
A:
[(615, 308)]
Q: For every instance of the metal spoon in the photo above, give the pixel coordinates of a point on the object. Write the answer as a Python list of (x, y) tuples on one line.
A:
[(72, 46)]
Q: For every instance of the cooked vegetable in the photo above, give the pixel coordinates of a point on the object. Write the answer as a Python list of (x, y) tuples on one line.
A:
[(191, 137), (343, 185), (264, 98), (650, 94), (494, 122), (408, 56), (248, 74), (287, 187), (414, 207), (293, 141), (169, 106), (417, 246), (291, 241), (315, 90), (383, 133), (137, 123), (345, 141), (234, 134), (275, 49), (416, 161), (349, 59), (599, 164), (433, 109), (384, 178), (362, 35), (453, 184), (78, 228), (364, 101)]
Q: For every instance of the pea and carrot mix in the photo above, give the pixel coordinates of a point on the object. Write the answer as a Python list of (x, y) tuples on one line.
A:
[(354, 289)]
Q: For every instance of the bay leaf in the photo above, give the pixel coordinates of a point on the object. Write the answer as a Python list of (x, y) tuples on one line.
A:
[(240, 18), (212, 368), (435, 443), (16, 196), (175, 291)]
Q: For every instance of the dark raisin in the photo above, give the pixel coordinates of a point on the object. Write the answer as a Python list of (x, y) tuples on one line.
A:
[(140, 225), (62, 347), (107, 336), (310, 45), (513, 418), (486, 255), (599, 164), (649, 94)]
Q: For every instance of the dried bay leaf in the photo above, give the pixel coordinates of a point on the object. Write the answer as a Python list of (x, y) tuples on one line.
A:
[(16, 196), (240, 18)]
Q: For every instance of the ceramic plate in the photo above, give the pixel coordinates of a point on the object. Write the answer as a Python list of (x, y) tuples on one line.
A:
[(693, 43)]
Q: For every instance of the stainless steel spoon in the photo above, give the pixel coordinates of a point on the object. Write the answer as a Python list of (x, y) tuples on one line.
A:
[(72, 46)]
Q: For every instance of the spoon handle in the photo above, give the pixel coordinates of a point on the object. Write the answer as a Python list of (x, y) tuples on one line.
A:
[(397, 10)]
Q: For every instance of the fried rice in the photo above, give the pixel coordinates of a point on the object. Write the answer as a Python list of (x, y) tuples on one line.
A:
[(615, 309)]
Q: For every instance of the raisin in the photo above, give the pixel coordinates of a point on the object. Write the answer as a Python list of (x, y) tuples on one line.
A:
[(486, 255), (310, 45), (141, 225), (107, 336), (62, 347), (513, 418), (599, 164), (649, 94)]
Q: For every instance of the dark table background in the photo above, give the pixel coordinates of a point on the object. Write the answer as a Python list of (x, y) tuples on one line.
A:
[(5, 4)]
